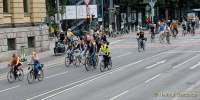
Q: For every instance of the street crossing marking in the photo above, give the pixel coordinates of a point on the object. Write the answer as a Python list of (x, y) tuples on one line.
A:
[(9, 88), (195, 66), (119, 95), (154, 77), (179, 65), (156, 64)]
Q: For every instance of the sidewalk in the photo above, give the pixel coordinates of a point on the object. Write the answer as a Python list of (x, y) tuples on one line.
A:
[(41, 55)]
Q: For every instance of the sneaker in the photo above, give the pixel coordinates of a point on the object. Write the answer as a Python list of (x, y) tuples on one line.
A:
[(39, 73)]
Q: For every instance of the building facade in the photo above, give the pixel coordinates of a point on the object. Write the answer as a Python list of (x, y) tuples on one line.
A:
[(22, 26)]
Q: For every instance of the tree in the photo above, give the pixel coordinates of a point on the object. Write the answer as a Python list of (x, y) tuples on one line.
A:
[(63, 3), (51, 7)]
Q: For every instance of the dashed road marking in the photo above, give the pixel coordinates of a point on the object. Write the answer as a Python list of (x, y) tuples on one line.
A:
[(119, 95), (10, 88), (154, 77)]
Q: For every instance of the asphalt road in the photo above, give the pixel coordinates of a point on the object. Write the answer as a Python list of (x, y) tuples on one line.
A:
[(162, 72)]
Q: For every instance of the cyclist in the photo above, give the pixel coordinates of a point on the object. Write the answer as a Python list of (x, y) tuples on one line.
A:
[(91, 48), (184, 27), (69, 36), (174, 28), (62, 37), (104, 50), (15, 63), (104, 38), (153, 31), (36, 64), (193, 24)]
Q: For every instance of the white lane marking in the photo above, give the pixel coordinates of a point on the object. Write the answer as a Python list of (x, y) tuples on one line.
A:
[(115, 42), (156, 64), (119, 95), (95, 76), (195, 66), (183, 51), (65, 86), (154, 77), (9, 88), (179, 65), (124, 54), (55, 75)]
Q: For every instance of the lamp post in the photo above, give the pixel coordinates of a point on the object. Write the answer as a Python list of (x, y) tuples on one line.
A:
[(152, 4), (110, 11), (58, 16), (102, 6), (115, 10)]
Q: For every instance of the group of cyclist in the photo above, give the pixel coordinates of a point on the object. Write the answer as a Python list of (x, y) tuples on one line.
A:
[(167, 28), (93, 44), (15, 63)]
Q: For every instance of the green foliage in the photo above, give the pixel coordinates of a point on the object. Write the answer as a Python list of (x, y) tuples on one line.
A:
[(51, 7)]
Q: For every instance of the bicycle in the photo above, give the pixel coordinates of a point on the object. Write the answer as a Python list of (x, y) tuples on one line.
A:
[(153, 35), (89, 62), (141, 44), (105, 64), (73, 57), (193, 31), (11, 74), (168, 37), (33, 76)]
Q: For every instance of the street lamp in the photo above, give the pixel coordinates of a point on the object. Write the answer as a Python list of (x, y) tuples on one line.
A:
[(152, 4), (110, 11), (58, 16), (115, 10)]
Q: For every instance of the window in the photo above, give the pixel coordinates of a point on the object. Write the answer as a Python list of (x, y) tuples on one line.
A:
[(11, 44), (25, 3), (31, 42), (5, 6)]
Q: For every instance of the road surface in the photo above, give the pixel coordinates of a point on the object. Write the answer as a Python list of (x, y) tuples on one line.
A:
[(162, 72)]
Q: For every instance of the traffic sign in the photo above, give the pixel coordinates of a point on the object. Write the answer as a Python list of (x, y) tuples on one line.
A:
[(87, 2)]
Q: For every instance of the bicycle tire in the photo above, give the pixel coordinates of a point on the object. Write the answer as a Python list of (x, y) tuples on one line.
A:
[(21, 74), (30, 77), (110, 64), (67, 62), (102, 67), (10, 77), (40, 77), (87, 65)]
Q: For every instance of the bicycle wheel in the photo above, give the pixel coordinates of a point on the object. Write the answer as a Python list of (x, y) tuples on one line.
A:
[(67, 61), (30, 77), (102, 66), (77, 61), (97, 60), (139, 47), (20, 74), (10, 77), (83, 60), (41, 75), (110, 64), (87, 64)]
